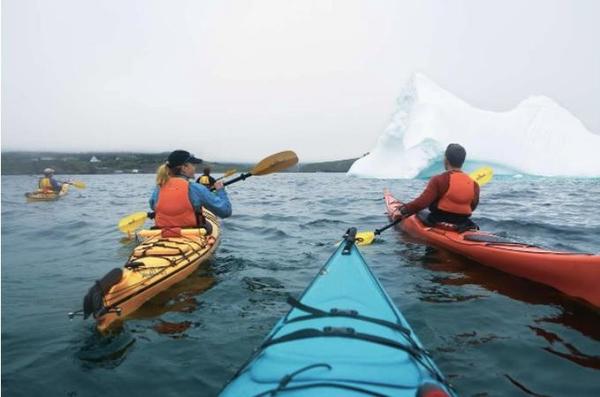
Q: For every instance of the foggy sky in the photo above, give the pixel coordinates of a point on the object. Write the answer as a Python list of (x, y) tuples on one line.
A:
[(238, 80)]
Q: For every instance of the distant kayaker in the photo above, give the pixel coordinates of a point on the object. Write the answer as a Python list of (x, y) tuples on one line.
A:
[(451, 196), (205, 179), (48, 184), (177, 202)]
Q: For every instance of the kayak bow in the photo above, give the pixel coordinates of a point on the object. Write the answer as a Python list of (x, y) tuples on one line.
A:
[(343, 337)]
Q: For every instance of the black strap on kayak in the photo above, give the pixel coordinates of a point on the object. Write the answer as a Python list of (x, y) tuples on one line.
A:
[(342, 332), (350, 238), (274, 392), (419, 354), (318, 313), (287, 378), (347, 384)]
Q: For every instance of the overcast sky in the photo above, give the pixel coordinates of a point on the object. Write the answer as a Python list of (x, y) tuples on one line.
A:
[(238, 80)]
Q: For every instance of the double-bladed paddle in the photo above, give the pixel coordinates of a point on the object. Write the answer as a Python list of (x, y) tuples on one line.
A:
[(77, 184)]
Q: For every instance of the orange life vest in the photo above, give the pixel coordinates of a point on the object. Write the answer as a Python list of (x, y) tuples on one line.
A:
[(174, 208), (460, 194)]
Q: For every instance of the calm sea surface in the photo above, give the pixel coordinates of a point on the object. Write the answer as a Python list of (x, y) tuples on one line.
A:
[(492, 334)]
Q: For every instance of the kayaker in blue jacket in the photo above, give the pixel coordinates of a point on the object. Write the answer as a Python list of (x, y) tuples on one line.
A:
[(177, 202), (48, 184)]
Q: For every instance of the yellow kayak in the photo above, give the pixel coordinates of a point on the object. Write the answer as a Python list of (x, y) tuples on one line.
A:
[(40, 195), (155, 265)]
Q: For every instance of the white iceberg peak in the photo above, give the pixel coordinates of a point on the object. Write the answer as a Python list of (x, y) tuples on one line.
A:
[(538, 137)]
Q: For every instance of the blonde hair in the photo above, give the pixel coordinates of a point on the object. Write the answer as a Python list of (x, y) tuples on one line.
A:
[(162, 175), (164, 172)]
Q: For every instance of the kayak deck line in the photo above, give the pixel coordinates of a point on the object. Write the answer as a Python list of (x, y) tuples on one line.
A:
[(151, 272)]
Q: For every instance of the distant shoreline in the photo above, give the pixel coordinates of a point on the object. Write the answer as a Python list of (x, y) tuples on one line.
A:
[(108, 163)]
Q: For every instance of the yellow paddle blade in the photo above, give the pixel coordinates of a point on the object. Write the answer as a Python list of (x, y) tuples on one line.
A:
[(78, 184), (365, 238), (132, 222), (482, 175), (275, 162)]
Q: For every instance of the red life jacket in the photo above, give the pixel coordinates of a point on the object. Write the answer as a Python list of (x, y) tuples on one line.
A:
[(459, 196), (174, 208)]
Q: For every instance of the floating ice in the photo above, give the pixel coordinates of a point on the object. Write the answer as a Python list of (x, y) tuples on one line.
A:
[(538, 137)]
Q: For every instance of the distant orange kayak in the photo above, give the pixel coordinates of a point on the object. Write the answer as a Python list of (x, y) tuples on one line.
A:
[(575, 274)]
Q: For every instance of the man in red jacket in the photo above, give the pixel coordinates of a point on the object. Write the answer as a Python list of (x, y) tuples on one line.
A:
[(451, 196)]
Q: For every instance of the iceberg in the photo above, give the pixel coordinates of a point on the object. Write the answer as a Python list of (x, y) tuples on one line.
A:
[(538, 137)]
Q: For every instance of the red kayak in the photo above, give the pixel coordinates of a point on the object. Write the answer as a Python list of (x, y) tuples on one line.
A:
[(574, 274)]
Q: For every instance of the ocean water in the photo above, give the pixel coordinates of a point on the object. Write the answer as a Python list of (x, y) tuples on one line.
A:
[(492, 334)]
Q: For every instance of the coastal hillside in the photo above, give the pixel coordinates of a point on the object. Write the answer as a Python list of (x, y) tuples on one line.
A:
[(32, 163)]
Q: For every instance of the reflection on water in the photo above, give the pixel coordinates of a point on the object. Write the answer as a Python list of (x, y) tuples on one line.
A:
[(571, 313), (109, 351), (524, 388), (263, 283), (167, 328), (183, 297), (572, 354), (105, 351)]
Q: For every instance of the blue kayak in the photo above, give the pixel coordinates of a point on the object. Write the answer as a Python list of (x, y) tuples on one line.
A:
[(343, 337)]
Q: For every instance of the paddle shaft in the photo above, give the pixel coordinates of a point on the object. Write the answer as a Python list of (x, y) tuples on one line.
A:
[(77, 184), (378, 231), (241, 177)]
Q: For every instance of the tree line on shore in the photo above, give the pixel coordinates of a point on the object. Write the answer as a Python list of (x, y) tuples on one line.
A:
[(32, 163)]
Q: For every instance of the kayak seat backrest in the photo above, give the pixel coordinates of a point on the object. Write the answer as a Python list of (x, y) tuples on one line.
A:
[(423, 216)]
